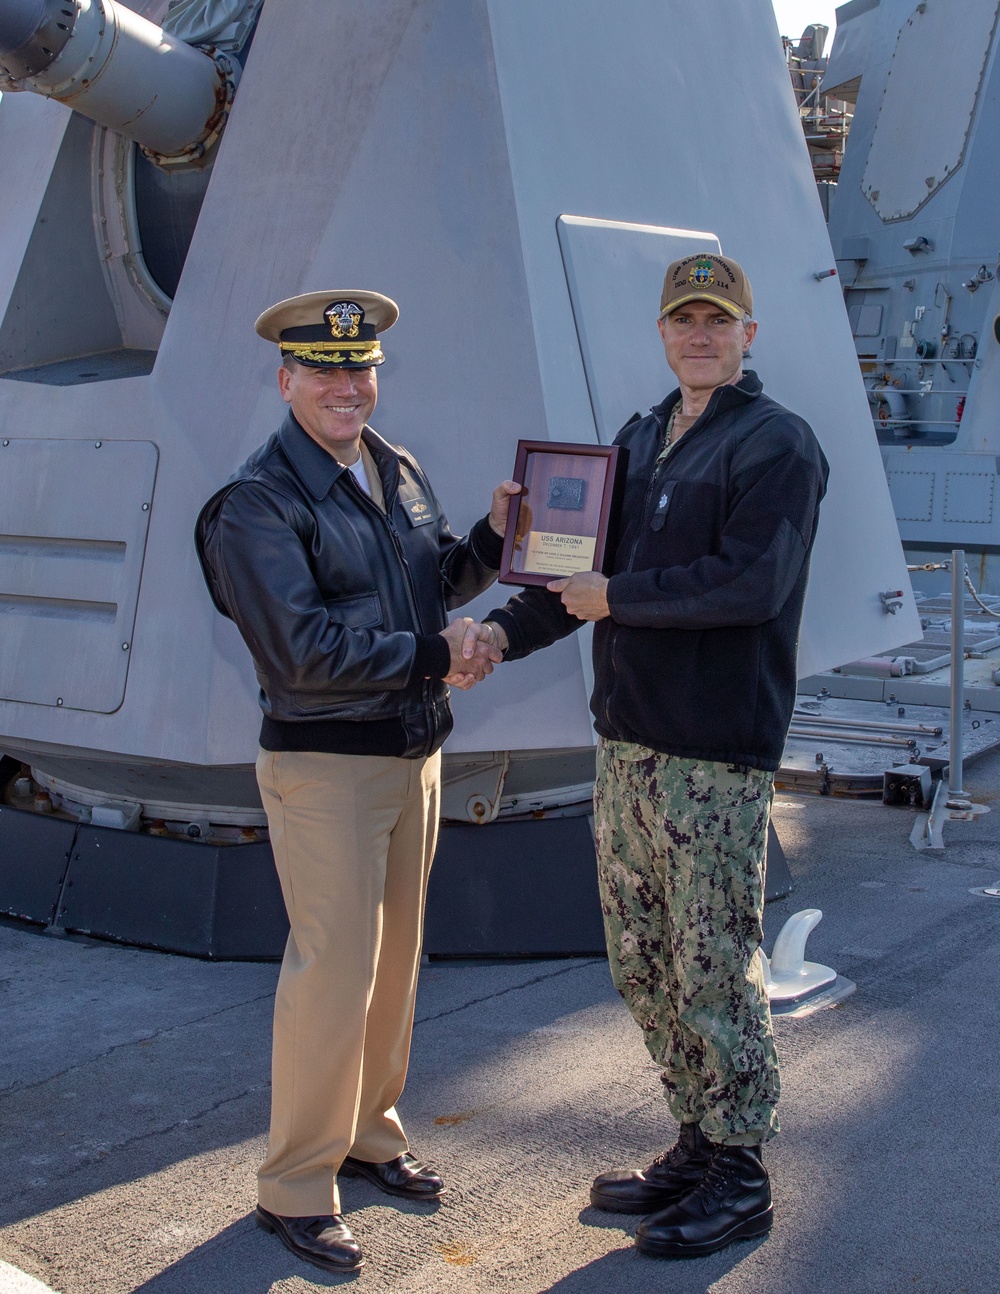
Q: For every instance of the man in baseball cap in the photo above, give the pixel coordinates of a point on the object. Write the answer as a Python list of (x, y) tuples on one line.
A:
[(721, 504), (330, 551)]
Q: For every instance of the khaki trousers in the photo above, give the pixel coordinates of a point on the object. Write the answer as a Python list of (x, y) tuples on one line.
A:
[(353, 837)]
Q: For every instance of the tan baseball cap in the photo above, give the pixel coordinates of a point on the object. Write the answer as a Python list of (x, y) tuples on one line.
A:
[(330, 329), (707, 277)]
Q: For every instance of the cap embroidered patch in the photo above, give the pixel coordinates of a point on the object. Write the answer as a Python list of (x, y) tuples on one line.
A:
[(702, 274), (344, 318)]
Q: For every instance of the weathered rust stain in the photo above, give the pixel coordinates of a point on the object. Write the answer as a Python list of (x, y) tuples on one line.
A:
[(450, 1120)]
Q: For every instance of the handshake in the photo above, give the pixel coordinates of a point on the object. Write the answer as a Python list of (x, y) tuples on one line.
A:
[(475, 649)]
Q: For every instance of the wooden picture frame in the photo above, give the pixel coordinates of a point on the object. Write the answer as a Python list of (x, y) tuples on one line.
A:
[(566, 517)]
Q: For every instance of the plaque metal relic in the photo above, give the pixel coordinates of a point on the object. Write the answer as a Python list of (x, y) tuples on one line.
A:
[(565, 518), (567, 492)]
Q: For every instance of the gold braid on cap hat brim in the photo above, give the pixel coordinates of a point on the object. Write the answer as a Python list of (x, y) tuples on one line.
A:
[(334, 352)]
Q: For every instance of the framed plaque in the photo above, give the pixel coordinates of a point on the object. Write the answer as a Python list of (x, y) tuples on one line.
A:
[(565, 518)]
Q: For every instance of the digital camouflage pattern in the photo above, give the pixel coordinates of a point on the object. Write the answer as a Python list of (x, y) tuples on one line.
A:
[(680, 846)]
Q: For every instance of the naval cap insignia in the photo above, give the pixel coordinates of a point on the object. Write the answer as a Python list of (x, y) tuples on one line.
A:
[(344, 318), (702, 274)]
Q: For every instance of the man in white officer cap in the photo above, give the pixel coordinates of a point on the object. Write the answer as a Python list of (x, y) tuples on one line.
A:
[(332, 555)]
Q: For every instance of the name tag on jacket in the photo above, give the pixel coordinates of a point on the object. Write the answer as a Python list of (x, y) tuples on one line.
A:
[(419, 510)]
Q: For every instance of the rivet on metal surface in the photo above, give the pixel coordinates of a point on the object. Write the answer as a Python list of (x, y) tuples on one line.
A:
[(145, 507), (59, 700), (125, 646), (98, 444), (6, 442)]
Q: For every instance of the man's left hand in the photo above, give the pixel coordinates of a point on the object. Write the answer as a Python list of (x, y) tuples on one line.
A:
[(501, 504), (584, 595)]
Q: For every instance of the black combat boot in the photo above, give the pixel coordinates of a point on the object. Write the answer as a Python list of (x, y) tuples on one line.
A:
[(731, 1202), (666, 1179)]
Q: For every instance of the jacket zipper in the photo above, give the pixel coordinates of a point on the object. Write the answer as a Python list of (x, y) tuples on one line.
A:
[(397, 545), (614, 632), (710, 411)]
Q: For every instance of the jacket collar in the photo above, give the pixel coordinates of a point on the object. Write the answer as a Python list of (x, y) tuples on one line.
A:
[(317, 469), (722, 399)]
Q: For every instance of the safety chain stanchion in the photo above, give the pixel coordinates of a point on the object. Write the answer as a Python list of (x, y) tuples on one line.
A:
[(951, 800), (958, 578)]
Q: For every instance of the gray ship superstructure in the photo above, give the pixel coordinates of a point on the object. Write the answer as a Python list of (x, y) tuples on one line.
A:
[(915, 227), (512, 173)]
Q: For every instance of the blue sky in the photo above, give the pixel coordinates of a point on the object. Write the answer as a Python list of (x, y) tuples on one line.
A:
[(794, 16)]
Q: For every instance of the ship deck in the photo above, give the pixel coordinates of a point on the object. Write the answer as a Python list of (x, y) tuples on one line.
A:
[(134, 1095)]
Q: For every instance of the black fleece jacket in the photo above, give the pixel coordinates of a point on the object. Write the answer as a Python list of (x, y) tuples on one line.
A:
[(697, 658)]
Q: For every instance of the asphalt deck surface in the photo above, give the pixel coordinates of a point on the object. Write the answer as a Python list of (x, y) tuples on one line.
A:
[(134, 1100)]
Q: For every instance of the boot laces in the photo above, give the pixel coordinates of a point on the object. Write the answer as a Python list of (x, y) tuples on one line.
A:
[(676, 1157), (718, 1178)]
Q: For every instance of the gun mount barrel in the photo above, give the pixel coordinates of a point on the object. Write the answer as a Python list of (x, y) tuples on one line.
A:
[(32, 33), (120, 70)]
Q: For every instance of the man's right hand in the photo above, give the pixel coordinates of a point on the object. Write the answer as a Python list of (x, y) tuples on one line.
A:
[(490, 632), (474, 652)]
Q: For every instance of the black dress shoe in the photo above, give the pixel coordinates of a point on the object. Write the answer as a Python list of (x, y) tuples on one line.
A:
[(403, 1176), (324, 1241), (731, 1202), (666, 1179)]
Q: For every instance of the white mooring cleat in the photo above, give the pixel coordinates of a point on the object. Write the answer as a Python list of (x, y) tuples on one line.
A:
[(787, 974)]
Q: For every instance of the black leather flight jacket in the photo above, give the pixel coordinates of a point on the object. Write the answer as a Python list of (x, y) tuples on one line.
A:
[(340, 604)]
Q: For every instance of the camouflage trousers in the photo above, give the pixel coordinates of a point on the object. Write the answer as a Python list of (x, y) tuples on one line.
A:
[(680, 849)]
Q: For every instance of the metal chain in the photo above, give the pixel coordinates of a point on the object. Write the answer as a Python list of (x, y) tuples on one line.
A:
[(977, 599), (946, 566)]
